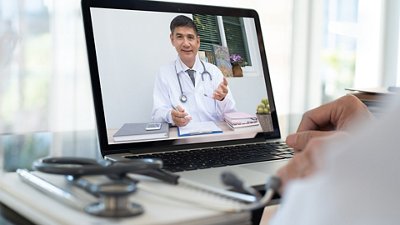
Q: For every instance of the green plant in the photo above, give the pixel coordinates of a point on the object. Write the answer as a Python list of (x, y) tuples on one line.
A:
[(263, 107)]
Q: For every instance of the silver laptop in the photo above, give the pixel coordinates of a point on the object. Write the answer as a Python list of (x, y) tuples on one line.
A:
[(129, 41)]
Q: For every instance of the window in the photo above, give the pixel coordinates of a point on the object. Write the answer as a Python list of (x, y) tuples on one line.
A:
[(233, 35), (235, 38), (208, 31), (44, 77), (339, 47)]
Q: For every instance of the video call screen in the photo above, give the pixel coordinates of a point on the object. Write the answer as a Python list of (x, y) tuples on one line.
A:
[(131, 47)]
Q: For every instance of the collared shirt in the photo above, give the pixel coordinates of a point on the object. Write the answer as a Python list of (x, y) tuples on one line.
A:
[(199, 105)]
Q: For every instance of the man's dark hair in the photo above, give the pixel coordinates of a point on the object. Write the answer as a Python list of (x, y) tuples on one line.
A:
[(183, 21)]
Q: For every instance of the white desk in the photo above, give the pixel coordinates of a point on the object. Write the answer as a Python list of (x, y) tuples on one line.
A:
[(227, 134), (42, 209)]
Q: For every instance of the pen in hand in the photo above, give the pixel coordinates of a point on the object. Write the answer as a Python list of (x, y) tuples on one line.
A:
[(179, 116)]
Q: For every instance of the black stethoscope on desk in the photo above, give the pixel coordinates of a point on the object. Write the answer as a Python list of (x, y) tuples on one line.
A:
[(84, 166), (183, 97), (113, 195), (114, 201)]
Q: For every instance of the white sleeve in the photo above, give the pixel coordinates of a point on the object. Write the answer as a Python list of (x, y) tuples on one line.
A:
[(161, 103), (358, 183)]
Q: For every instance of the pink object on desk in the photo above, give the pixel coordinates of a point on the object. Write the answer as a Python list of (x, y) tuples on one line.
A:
[(240, 119)]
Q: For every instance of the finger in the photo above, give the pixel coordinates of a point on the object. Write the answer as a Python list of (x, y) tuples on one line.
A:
[(298, 141), (224, 89), (307, 162), (218, 92), (179, 123), (180, 111), (225, 81), (334, 115), (181, 114), (327, 115), (174, 113), (314, 119), (294, 169), (303, 164), (180, 108), (184, 121), (218, 95), (187, 120), (223, 86), (178, 114)]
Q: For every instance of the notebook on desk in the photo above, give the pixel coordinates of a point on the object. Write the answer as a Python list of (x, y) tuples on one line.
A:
[(127, 43), (140, 132)]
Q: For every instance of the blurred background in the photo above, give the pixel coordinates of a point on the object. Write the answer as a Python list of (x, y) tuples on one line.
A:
[(315, 49)]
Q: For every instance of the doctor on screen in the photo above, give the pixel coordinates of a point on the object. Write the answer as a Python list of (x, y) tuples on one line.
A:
[(189, 89)]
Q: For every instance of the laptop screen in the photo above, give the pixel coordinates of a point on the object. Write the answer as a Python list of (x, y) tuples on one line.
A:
[(144, 96)]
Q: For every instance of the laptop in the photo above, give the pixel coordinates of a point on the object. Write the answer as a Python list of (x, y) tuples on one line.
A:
[(127, 44)]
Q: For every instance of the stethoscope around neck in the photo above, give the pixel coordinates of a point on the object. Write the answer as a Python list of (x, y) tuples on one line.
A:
[(183, 97)]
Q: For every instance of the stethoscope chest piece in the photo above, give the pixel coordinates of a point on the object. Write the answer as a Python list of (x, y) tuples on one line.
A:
[(183, 98), (114, 201)]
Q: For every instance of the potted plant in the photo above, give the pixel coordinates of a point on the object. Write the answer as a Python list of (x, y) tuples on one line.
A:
[(236, 61), (264, 115)]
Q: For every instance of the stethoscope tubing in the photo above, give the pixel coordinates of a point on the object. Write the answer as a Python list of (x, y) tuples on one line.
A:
[(82, 166), (183, 98)]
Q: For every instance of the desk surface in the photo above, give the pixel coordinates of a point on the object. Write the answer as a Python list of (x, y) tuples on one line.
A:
[(158, 208), (20, 150), (227, 134)]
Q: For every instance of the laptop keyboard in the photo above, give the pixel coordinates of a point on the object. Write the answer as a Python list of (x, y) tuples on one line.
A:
[(221, 156)]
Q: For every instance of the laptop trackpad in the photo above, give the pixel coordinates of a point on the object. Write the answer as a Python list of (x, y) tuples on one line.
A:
[(253, 174)]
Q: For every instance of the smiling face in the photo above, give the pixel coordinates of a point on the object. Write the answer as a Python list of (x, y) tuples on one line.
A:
[(186, 43)]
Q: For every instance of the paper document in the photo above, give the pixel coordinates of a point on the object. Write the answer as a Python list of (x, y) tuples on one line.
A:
[(195, 128)]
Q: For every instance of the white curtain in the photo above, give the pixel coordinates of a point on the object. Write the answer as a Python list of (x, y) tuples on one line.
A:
[(44, 78)]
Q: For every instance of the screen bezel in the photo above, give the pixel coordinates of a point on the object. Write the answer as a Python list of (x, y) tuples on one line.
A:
[(155, 6)]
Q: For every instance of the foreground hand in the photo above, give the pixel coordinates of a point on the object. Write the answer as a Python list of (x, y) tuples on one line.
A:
[(221, 91), (180, 117), (308, 161), (327, 119)]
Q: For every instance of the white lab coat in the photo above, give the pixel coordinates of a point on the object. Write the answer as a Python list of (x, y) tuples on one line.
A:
[(358, 185), (167, 93)]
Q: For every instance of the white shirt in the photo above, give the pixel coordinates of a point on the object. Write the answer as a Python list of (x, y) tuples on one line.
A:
[(358, 185), (167, 93)]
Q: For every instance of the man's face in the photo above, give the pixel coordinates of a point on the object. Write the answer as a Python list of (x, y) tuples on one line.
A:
[(186, 43)]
